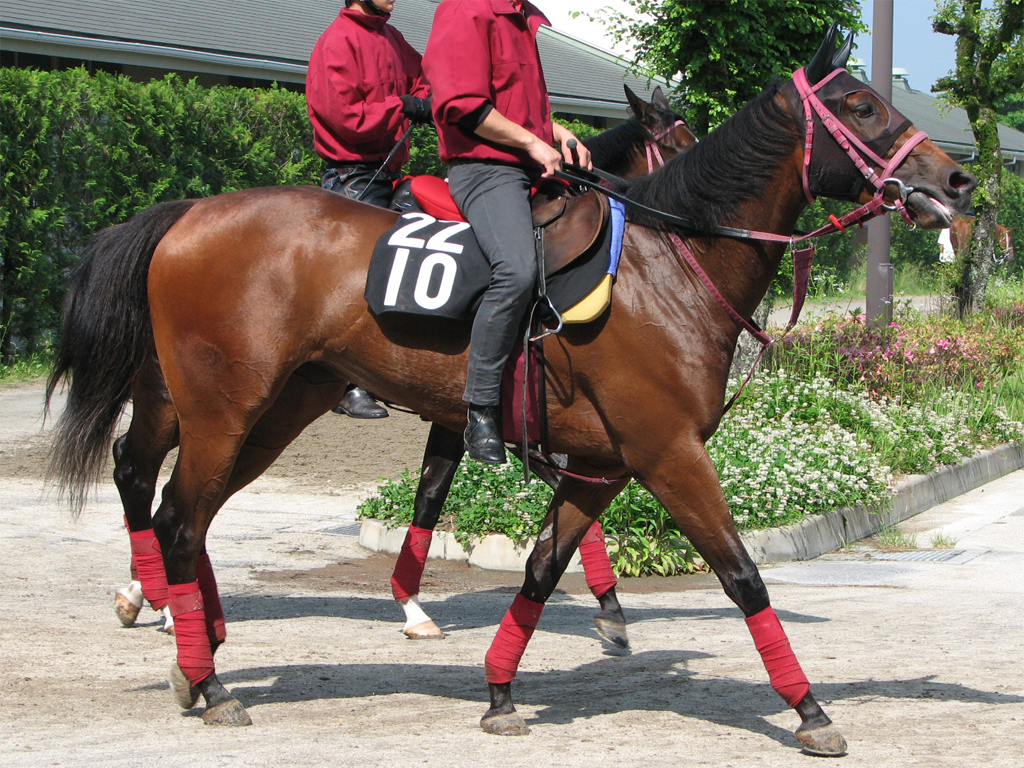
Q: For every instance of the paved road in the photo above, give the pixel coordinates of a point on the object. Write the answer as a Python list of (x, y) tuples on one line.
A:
[(919, 663)]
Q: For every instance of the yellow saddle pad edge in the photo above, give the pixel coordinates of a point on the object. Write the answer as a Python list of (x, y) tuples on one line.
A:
[(593, 305)]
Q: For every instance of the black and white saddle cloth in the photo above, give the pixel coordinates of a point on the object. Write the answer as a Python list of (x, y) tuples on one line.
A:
[(425, 266)]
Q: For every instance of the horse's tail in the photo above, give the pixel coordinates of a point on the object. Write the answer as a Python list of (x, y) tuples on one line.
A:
[(106, 336)]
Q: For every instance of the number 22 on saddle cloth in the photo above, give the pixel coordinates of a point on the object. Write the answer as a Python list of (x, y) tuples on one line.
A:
[(430, 264)]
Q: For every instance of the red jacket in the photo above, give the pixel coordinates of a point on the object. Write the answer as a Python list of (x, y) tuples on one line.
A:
[(358, 69), (482, 54)]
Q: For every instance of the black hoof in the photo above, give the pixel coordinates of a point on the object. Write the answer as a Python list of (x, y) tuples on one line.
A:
[(612, 631), (826, 741), (504, 724), (230, 712)]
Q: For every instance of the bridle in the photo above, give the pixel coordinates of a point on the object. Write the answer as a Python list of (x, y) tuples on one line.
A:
[(652, 148), (815, 113), (856, 149)]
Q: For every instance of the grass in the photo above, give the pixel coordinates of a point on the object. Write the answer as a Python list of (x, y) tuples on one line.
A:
[(909, 279), (941, 540), (25, 369), (891, 537)]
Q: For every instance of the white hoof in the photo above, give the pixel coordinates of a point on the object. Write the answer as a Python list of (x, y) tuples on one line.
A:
[(128, 603), (168, 621), (418, 625)]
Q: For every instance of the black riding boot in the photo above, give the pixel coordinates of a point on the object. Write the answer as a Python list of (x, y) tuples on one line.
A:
[(483, 434), (358, 404)]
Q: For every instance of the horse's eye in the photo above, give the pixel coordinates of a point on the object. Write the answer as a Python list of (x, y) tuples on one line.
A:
[(864, 111)]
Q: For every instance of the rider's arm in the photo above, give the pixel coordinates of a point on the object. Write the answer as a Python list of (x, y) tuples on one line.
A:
[(499, 129)]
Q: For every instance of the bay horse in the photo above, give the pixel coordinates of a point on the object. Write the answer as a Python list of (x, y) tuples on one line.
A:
[(631, 149), (252, 302), (962, 230)]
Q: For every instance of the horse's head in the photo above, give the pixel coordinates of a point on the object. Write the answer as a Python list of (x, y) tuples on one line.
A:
[(669, 133), (859, 147)]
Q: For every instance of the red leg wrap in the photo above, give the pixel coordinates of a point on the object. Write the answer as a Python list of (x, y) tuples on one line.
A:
[(784, 671), (502, 659), (596, 566), (405, 581), (149, 564), (215, 627), (195, 655)]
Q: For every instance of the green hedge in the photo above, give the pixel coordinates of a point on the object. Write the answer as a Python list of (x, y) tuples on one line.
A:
[(79, 152)]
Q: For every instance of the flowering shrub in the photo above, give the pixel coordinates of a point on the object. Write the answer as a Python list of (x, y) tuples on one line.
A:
[(792, 448), (904, 358), (852, 407)]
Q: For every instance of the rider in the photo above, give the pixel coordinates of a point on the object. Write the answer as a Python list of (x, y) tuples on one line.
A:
[(494, 127), (363, 85)]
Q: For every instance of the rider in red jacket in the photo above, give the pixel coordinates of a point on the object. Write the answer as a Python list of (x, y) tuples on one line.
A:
[(494, 126), (363, 85)]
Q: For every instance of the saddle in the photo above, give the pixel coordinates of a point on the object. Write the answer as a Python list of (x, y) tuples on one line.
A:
[(570, 224)]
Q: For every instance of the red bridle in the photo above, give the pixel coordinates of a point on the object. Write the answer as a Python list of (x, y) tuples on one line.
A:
[(804, 257), (854, 147), (654, 151)]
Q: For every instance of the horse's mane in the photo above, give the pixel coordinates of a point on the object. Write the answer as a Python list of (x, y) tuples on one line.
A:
[(733, 164), (613, 147)]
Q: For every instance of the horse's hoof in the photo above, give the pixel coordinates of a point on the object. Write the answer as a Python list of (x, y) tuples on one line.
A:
[(168, 621), (425, 630), (826, 741), (612, 631), (507, 724), (126, 610), (184, 692), (230, 712)]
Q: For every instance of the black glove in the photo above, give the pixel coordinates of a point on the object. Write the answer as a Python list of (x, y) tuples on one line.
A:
[(417, 109)]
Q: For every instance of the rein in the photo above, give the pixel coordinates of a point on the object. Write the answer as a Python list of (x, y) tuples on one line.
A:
[(802, 257)]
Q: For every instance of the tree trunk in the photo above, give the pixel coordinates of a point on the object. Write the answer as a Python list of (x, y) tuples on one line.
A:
[(976, 264)]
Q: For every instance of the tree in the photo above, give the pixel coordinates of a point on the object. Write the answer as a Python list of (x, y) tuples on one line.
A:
[(726, 52), (989, 69)]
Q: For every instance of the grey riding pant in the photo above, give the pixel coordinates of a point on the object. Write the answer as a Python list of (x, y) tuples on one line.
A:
[(495, 199)]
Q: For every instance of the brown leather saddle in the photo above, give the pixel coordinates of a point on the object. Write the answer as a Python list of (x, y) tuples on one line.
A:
[(569, 224)]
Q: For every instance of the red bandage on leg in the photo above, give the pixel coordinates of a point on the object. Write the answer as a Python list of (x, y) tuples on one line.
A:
[(195, 654), (502, 659), (405, 581), (784, 671), (215, 627), (596, 566), (149, 564)]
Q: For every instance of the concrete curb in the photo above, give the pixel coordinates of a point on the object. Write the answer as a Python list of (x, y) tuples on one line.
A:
[(805, 540), (492, 553), (823, 533)]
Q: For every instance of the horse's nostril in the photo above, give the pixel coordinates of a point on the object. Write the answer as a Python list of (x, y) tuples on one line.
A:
[(962, 182)]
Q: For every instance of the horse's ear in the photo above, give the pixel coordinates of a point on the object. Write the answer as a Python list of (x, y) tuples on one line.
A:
[(843, 56), (659, 100), (636, 104), (821, 65)]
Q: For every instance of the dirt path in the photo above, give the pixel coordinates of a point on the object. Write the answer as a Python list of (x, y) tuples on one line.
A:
[(919, 663)]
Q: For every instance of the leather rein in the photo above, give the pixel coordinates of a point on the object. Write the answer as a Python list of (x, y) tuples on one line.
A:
[(803, 257)]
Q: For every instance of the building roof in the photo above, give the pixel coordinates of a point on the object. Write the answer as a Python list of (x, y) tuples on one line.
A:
[(948, 126), (272, 40)]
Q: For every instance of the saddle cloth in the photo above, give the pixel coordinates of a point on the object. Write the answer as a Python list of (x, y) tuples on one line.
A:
[(429, 262)]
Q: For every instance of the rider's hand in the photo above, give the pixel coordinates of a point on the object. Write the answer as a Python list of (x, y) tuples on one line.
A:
[(562, 136), (546, 156), (417, 109)]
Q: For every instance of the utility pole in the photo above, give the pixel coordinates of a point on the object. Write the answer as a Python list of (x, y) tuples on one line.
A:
[(879, 270)]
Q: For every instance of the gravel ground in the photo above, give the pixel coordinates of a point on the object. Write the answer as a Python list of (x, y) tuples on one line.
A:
[(917, 662)]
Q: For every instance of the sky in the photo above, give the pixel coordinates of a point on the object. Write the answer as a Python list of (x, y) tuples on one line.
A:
[(924, 54)]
